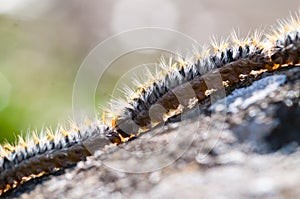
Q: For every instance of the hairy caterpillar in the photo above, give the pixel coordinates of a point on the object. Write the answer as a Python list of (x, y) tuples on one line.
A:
[(232, 62), (40, 155), (37, 156)]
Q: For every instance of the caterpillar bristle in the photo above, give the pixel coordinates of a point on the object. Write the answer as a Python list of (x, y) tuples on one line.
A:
[(21, 142), (219, 45), (9, 148), (283, 27), (257, 38), (35, 138), (237, 40), (50, 135), (3, 152), (287, 25)]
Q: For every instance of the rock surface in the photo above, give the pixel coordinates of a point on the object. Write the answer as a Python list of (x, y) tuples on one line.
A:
[(251, 152)]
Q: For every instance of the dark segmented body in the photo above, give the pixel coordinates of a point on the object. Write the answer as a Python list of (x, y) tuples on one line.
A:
[(44, 157), (287, 49), (231, 63)]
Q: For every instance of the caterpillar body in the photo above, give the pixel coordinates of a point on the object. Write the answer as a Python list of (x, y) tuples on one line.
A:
[(230, 63), (38, 155), (278, 49)]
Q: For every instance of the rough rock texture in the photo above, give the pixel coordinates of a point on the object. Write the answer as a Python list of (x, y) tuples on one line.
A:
[(249, 153)]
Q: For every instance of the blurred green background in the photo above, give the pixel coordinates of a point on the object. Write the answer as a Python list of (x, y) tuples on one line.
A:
[(35, 76), (43, 43)]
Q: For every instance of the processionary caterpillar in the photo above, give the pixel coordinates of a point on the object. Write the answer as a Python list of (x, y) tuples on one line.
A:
[(38, 155)]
